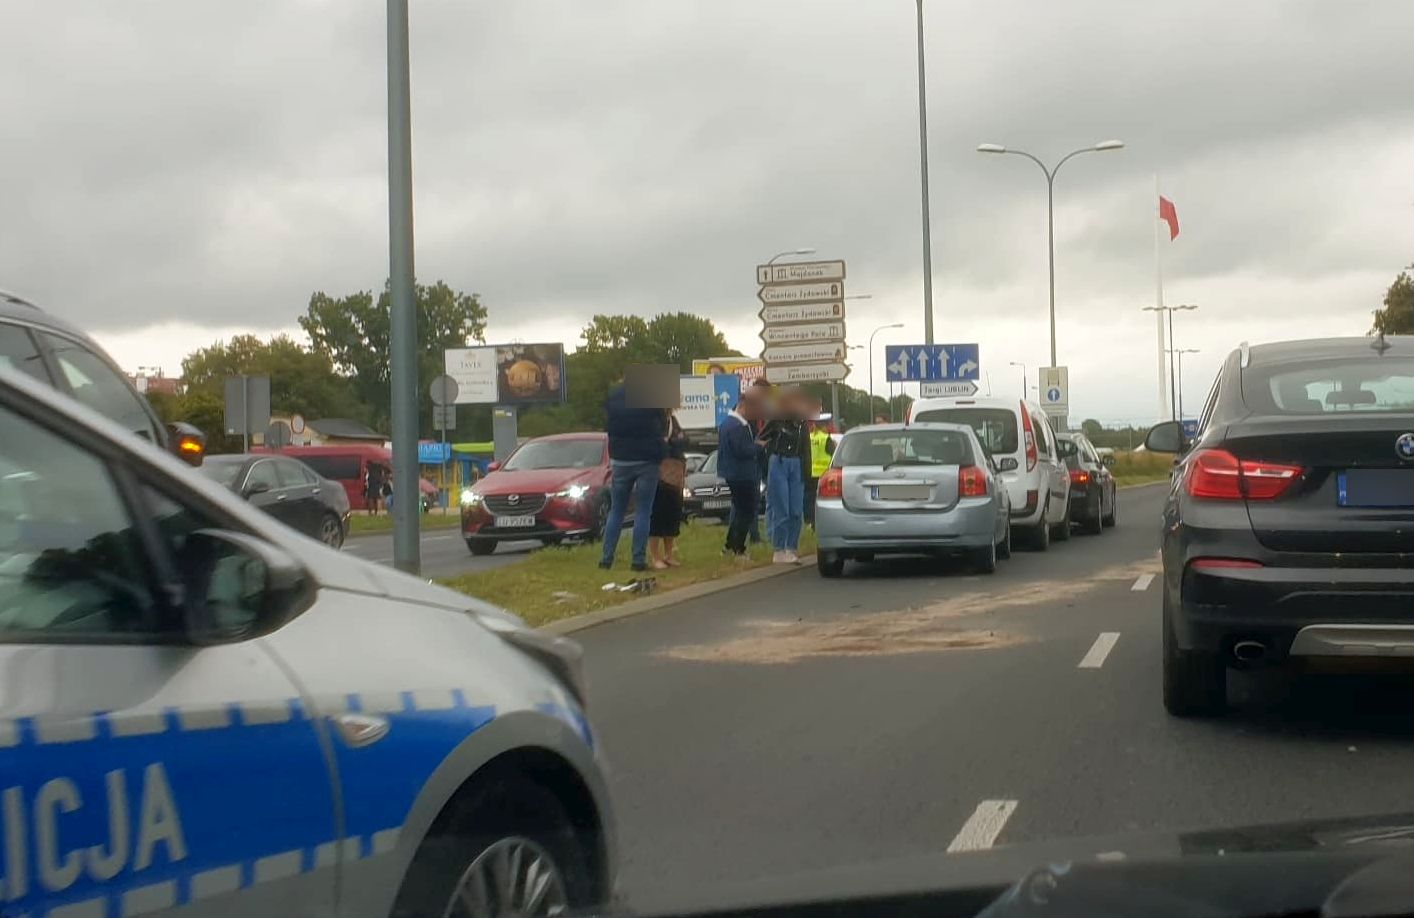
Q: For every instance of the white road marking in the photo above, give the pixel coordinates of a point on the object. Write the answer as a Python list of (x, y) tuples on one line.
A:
[(983, 826), (1142, 583), (1095, 657)]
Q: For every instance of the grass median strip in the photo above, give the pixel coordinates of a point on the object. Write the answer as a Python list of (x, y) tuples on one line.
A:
[(1141, 468), (362, 523), (556, 583)]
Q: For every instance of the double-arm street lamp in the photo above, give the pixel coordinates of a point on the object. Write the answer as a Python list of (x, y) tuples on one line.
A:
[(1050, 174), (871, 365), (1173, 395)]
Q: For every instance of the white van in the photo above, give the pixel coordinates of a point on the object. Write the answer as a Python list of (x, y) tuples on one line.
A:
[(1019, 438)]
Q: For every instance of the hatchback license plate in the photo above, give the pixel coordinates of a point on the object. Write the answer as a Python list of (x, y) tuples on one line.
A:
[(514, 522), (902, 492), (1376, 488)]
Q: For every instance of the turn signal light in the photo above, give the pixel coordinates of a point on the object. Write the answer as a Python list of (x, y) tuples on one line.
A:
[(971, 482), (831, 484), (1216, 474), (1079, 476)]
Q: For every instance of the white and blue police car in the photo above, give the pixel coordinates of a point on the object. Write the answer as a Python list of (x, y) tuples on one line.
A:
[(204, 712)]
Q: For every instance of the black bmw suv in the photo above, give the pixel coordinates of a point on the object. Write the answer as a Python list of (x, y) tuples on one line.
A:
[(1289, 527), (59, 355)]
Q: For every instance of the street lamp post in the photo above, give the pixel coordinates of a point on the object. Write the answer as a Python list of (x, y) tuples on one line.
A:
[(1050, 174), (834, 386), (1024, 377), (1173, 396), (923, 173), (800, 251), (871, 366), (1180, 352)]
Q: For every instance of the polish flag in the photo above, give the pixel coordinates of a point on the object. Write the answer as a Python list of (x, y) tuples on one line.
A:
[(1169, 214)]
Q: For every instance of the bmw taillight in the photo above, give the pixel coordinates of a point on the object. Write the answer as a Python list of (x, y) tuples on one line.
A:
[(831, 484), (1029, 436), (1079, 476), (1216, 474), (971, 482)]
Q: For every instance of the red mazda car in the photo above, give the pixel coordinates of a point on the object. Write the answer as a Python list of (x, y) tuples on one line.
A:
[(551, 488)]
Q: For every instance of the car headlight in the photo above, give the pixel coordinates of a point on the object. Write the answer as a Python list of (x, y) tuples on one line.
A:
[(470, 498), (686, 493), (573, 492)]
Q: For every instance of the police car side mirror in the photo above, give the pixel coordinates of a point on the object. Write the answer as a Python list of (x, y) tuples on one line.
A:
[(238, 587)]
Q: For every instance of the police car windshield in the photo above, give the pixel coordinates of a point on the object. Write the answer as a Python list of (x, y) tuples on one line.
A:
[(556, 454), (224, 470)]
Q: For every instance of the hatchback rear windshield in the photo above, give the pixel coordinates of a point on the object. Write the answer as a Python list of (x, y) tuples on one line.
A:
[(1373, 384), (904, 447), (556, 454), (995, 427)]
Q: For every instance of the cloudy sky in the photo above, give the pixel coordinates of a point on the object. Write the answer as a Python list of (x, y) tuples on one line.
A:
[(175, 171)]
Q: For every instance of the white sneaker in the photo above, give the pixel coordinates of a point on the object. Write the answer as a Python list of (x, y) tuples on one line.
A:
[(780, 557), (792, 557)]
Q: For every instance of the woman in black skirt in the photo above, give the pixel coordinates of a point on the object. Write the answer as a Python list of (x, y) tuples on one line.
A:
[(666, 520)]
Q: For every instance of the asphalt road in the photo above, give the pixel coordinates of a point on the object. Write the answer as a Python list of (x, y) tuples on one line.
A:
[(803, 724), (444, 553)]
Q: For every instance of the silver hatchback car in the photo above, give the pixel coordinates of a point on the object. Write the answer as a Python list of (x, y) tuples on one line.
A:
[(909, 489)]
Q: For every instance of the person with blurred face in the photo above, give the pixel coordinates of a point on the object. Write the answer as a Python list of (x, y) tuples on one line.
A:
[(738, 463), (787, 440)]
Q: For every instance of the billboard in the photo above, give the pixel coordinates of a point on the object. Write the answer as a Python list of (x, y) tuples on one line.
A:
[(748, 368), (474, 370), (706, 400), (530, 373)]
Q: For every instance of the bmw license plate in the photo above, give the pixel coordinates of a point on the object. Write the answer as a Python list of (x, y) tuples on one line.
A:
[(715, 504), (514, 522), (1375, 488)]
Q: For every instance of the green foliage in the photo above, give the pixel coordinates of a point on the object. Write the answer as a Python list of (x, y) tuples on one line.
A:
[(301, 381), (1397, 316), (1091, 428), (353, 333)]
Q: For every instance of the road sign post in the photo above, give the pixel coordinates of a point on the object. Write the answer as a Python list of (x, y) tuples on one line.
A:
[(1055, 394), (802, 321), (947, 389)]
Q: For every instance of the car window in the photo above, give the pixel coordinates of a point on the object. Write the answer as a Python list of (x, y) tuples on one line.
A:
[(224, 470), (97, 385), (232, 598), (262, 473), (335, 468), (905, 447), (1043, 435), (18, 352), (709, 465), (72, 566), (995, 427), (556, 454), (291, 474), (1371, 384), (1090, 455), (1209, 405)]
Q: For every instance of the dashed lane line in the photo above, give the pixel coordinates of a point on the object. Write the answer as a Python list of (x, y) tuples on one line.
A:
[(1142, 583), (1095, 657), (983, 826)]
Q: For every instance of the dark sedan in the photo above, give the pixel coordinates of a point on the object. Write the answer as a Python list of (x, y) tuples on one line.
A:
[(288, 490), (1093, 492), (704, 494), (1290, 522)]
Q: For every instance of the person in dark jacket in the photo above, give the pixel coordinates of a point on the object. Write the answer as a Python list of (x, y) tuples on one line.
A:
[(637, 445), (739, 464)]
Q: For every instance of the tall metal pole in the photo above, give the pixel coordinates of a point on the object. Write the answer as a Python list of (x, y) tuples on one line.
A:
[(403, 319), (923, 169), (1173, 393), (245, 413), (1051, 250)]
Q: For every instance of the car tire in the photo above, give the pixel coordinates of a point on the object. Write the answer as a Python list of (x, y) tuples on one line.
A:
[(1093, 524), (480, 547), (504, 814), (1195, 681), (1109, 519), (829, 563), (601, 518), (1061, 532), (1039, 538), (331, 531), (1004, 550), (984, 560)]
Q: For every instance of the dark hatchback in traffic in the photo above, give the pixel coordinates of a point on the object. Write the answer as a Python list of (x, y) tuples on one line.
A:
[(288, 490), (1289, 526)]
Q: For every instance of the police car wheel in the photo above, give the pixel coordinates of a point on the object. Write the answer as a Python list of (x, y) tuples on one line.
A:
[(510, 849)]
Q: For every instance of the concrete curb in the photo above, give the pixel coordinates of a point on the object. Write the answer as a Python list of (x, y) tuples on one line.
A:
[(673, 597)]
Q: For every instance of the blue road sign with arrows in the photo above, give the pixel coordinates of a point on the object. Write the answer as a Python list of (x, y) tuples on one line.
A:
[(931, 362)]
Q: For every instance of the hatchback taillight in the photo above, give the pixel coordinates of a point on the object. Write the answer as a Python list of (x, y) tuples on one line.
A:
[(1028, 436), (1216, 474), (971, 482), (831, 484), (1079, 476)]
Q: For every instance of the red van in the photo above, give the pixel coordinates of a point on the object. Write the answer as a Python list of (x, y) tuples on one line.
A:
[(348, 465)]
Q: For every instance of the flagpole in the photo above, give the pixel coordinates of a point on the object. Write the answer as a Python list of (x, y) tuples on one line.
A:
[(1159, 303)]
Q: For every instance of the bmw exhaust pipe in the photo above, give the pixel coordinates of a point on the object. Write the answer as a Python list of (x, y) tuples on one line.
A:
[(1249, 651)]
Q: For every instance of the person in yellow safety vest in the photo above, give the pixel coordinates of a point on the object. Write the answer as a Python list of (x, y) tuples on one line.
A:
[(821, 447)]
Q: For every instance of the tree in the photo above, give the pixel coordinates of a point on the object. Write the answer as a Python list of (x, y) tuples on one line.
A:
[(1397, 316), (353, 332), (302, 381), (1091, 428), (681, 337)]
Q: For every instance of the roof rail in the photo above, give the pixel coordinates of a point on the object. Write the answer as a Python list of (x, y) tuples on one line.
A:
[(16, 300)]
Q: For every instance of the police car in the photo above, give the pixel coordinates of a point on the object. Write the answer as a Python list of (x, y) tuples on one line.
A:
[(204, 712)]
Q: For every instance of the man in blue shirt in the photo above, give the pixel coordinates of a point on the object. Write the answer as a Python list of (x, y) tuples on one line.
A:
[(739, 464), (637, 445)]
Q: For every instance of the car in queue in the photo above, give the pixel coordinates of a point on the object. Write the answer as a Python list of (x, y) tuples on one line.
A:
[(221, 715), (1289, 522), (1019, 438), (694, 461), (705, 493), (288, 490), (551, 488), (1094, 495), (60, 356), (911, 489)]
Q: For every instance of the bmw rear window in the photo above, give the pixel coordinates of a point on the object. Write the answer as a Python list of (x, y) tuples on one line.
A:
[(995, 427), (1365, 385)]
